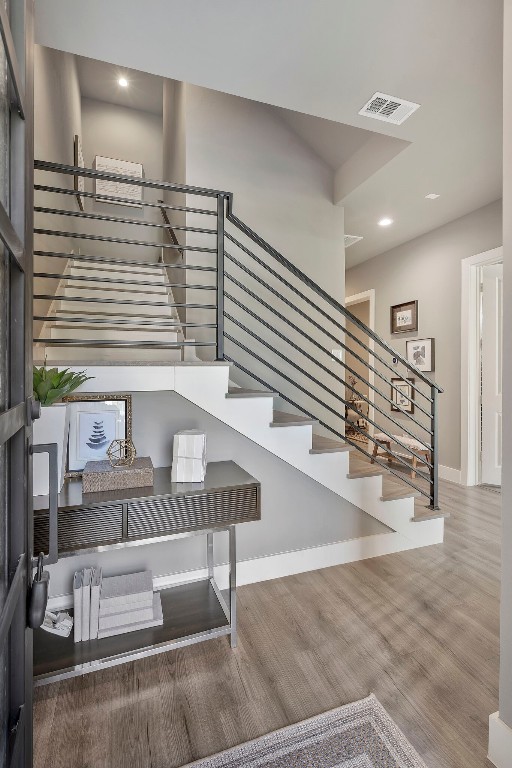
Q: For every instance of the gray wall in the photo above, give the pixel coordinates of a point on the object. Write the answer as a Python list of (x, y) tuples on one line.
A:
[(283, 191), (174, 170), (57, 118), (505, 706), (127, 134), (429, 269), (297, 512)]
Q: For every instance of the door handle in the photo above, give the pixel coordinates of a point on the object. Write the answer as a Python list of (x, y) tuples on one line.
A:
[(53, 503), (38, 595)]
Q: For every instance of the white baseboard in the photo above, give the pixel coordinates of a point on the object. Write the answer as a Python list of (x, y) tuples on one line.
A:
[(285, 563), (500, 742), (450, 474)]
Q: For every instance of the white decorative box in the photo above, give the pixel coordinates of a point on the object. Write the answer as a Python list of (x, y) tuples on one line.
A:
[(189, 457)]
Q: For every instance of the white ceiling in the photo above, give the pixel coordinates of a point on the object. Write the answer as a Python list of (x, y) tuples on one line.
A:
[(99, 80), (326, 58)]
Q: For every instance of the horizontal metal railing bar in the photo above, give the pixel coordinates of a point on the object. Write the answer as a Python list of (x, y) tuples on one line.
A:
[(91, 173), (10, 238), (120, 220), (11, 421), (116, 199), (86, 279), (121, 262), (394, 438), (317, 308), (12, 61), (319, 291), (324, 368), (120, 321), (88, 299), (328, 427), (121, 343), (318, 400), (12, 599), (323, 330), (121, 240), (326, 352)]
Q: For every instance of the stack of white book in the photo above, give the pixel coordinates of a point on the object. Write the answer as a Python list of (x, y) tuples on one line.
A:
[(188, 456), (114, 605)]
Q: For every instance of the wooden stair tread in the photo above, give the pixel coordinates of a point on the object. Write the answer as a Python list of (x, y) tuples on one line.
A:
[(402, 493), (370, 472), (429, 514), (241, 392), (321, 444), (283, 419)]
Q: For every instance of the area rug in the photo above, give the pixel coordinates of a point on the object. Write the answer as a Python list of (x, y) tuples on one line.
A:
[(359, 735)]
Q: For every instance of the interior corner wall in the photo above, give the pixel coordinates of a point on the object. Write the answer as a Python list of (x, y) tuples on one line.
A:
[(428, 269), (123, 133), (174, 171), (57, 118), (284, 192), (282, 189)]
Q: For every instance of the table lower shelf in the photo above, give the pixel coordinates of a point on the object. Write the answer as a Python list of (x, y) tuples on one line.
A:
[(192, 613)]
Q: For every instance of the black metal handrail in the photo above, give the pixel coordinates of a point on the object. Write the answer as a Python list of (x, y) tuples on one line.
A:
[(253, 312)]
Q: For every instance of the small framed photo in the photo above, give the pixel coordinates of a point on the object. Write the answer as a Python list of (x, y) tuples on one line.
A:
[(94, 421), (421, 353), (404, 317), (402, 395), (78, 160)]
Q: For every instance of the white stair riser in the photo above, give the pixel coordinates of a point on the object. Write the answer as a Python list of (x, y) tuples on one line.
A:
[(108, 355), (113, 334), (122, 273), (93, 307), (97, 291)]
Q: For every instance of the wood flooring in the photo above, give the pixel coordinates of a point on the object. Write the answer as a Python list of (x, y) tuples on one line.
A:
[(419, 629)]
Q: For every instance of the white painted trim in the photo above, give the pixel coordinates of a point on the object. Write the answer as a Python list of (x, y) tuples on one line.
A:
[(470, 361), (359, 298), (450, 474), (500, 742), (296, 561)]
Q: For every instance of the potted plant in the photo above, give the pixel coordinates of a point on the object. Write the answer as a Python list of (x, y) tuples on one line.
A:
[(50, 386)]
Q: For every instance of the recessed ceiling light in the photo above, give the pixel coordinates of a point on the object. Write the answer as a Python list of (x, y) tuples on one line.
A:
[(385, 222), (123, 82), (432, 196)]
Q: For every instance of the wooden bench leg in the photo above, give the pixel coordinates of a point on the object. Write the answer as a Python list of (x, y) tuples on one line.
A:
[(414, 467), (375, 449)]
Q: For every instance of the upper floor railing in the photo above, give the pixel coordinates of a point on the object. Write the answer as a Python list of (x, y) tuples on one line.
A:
[(266, 317)]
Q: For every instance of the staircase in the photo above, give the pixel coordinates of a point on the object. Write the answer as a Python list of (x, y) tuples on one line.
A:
[(145, 323), (251, 340)]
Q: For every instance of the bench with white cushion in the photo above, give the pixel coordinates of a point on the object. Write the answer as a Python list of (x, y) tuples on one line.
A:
[(383, 448)]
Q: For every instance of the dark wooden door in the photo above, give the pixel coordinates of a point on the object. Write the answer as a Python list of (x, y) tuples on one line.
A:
[(16, 184)]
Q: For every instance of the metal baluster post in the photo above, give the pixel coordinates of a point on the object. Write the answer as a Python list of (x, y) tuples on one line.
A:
[(434, 456), (220, 276)]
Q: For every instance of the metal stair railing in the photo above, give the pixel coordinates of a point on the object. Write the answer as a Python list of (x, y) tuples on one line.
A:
[(269, 319)]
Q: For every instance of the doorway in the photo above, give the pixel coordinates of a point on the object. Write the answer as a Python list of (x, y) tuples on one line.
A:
[(362, 306), (481, 355)]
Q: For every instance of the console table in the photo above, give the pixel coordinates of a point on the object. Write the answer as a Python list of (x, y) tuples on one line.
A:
[(99, 522)]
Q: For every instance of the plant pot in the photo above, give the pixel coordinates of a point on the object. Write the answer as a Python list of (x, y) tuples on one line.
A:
[(51, 427)]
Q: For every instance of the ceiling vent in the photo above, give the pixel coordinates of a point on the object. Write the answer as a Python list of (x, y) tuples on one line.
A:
[(351, 239), (388, 108)]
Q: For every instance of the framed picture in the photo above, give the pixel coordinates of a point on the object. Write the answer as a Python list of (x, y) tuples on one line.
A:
[(94, 421), (402, 394), (404, 317), (421, 353), (131, 193), (78, 160)]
